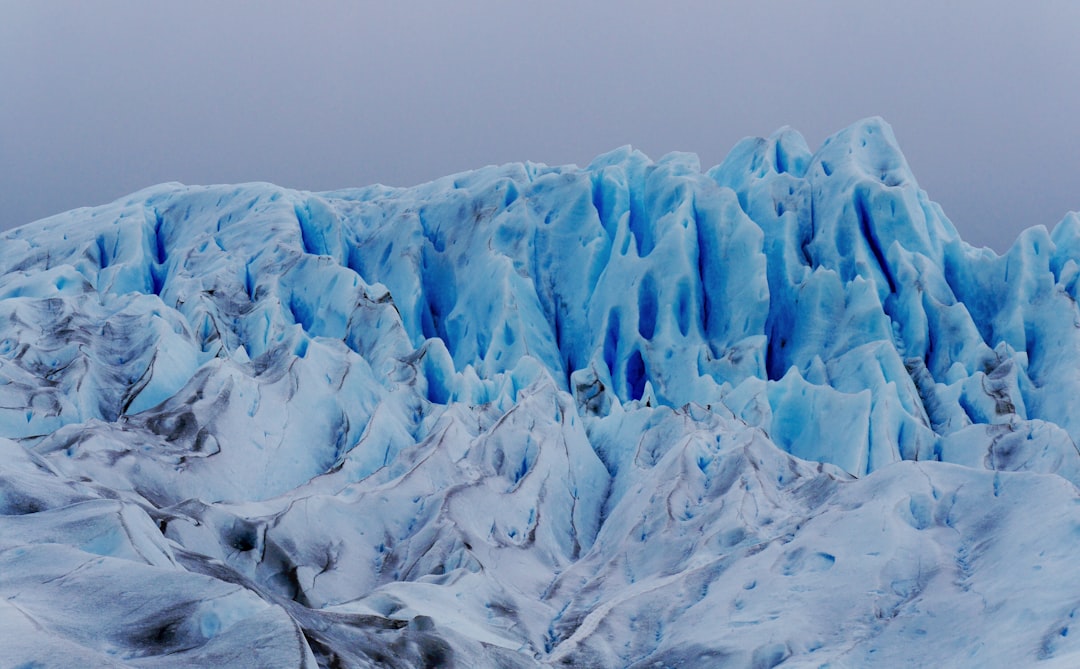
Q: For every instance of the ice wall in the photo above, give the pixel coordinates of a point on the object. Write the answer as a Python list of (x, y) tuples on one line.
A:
[(528, 412)]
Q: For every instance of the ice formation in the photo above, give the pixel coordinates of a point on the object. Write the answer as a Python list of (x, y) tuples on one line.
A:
[(630, 415)]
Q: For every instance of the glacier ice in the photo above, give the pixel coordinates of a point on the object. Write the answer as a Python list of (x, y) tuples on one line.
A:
[(632, 414)]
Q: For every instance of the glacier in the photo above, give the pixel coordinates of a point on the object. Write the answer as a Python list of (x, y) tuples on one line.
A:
[(636, 414)]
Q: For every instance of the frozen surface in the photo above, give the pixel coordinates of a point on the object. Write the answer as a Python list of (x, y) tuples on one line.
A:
[(772, 414)]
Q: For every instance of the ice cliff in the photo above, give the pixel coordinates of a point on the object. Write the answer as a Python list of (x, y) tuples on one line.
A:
[(634, 414)]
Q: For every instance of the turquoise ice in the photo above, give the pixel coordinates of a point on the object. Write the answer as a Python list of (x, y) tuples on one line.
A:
[(632, 413)]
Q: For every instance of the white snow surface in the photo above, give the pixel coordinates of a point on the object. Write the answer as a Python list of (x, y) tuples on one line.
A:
[(630, 415)]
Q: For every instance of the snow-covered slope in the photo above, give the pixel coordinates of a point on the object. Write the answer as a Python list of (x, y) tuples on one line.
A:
[(775, 413)]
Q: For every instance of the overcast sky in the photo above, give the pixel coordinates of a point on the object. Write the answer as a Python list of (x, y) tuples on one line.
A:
[(98, 99)]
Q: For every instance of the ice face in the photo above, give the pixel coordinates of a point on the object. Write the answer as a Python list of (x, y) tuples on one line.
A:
[(619, 415)]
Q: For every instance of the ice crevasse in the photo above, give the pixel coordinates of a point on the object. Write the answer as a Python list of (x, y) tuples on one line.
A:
[(632, 414)]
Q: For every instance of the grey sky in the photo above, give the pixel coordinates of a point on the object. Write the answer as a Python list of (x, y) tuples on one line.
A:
[(101, 98)]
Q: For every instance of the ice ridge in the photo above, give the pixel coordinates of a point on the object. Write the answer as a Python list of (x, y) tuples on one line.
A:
[(632, 414)]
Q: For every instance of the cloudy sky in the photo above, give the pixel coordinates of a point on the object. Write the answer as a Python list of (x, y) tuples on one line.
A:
[(98, 99)]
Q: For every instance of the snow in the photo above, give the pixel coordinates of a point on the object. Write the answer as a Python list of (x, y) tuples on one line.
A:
[(632, 414)]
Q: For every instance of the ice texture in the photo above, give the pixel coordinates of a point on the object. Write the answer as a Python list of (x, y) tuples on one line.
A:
[(776, 413)]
